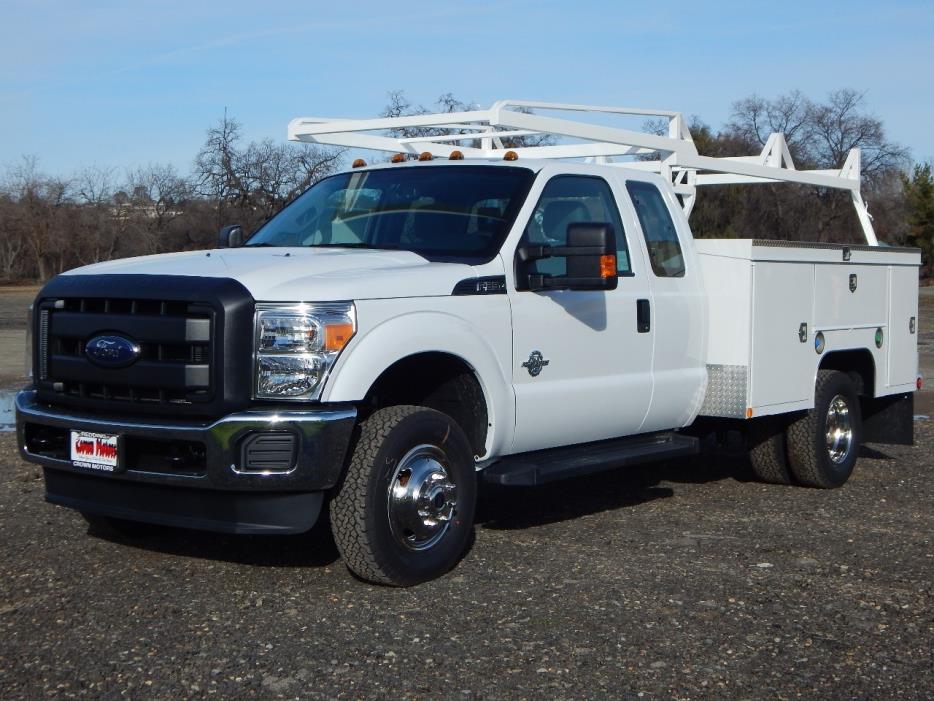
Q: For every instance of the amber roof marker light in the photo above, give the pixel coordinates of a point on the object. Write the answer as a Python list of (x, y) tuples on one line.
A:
[(359, 163), (425, 156), (510, 156), (398, 158), (456, 156)]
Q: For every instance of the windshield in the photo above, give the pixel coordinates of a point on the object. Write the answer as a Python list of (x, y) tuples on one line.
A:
[(438, 211)]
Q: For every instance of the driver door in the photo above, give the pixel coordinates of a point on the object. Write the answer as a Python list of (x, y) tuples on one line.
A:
[(582, 366)]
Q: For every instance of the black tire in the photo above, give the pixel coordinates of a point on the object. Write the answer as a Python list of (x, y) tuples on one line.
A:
[(809, 451), (365, 520), (766, 442), (122, 527)]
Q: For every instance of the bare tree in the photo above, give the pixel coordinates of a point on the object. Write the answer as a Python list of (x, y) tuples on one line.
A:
[(840, 124), (754, 119), (160, 198), (274, 174), (257, 180), (819, 135), (12, 242), (217, 165), (41, 201)]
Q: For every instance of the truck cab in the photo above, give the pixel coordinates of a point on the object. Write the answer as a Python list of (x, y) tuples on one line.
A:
[(404, 329)]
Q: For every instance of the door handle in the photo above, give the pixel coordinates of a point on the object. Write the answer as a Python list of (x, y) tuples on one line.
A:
[(643, 316)]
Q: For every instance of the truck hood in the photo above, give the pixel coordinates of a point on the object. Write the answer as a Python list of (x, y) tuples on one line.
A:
[(303, 274)]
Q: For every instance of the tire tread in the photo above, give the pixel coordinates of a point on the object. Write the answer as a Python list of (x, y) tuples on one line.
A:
[(355, 532), (804, 453), (767, 453)]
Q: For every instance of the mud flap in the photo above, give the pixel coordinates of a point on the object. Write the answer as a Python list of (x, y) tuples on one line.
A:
[(889, 420)]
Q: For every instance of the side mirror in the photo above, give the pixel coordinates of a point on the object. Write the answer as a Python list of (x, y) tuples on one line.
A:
[(230, 236), (591, 259)]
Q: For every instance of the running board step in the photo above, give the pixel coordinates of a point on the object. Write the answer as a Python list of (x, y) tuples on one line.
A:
[(528, 469)]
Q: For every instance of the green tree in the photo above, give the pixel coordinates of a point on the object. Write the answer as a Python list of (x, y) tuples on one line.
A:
[(919, 196)]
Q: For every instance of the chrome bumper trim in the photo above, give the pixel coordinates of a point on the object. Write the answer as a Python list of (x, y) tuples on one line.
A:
[(324, 435)]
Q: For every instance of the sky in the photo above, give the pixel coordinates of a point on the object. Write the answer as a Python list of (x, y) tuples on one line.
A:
[(118, 84)]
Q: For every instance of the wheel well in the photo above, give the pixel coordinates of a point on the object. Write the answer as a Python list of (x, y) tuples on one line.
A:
[(858, 364), (438, 381)]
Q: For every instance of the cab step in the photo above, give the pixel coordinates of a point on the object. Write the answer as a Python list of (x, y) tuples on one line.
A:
[(540, 467)]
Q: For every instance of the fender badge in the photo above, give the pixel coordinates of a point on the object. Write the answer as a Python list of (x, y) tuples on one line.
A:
[(535, 363)]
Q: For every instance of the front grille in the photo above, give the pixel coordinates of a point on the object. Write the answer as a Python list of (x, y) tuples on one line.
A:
[(174, 337), (183, 346)]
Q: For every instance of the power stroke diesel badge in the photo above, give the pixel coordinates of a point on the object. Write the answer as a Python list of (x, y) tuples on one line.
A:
[(535, 363)]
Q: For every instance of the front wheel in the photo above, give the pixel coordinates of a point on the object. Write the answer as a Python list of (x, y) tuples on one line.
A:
[(403, 513), (823, 444)]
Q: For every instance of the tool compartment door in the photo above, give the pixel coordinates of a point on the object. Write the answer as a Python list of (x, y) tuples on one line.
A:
[(850, 296), (782, 365), (902, 333)]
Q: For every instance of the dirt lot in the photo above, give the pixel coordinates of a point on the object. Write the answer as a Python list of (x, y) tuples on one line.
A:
[(14, 301), (684, 580), (669, 581)]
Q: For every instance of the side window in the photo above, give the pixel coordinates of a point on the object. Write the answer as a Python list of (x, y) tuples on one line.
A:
[(661, 238), (569, 199)]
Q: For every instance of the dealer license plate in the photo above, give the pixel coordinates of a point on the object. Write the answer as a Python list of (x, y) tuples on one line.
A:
[(95, 451)]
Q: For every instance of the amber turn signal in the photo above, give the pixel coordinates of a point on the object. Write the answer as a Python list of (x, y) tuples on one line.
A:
[(359, 163), (425, 156), (456, 156), (608, 266), (398, 158), (336, 336), (510, 156)]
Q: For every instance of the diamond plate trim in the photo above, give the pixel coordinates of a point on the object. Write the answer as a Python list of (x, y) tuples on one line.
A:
[(726, 391)]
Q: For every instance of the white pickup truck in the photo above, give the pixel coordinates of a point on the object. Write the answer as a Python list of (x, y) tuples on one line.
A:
[(464, 311)]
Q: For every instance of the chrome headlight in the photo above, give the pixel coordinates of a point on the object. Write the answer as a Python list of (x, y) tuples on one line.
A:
[(296, 346)]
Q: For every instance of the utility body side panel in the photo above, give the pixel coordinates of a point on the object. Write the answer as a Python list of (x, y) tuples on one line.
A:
[(770, 300)]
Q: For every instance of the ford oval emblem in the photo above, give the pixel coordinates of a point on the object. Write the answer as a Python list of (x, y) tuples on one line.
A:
[(112, 351)]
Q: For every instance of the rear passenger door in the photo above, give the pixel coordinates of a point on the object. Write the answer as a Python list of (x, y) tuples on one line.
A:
[(678, 313), (581, 366)]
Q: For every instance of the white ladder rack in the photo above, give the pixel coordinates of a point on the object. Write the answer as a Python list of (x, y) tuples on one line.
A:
[(678, 159)]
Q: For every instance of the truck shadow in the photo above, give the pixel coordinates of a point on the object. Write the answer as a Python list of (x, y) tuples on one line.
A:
[(498, 508), (513, 508), (315, 548)]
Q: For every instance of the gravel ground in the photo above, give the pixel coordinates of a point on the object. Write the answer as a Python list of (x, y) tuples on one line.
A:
[(681, 580)]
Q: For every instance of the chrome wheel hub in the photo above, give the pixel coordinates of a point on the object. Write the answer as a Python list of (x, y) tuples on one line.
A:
[(839, 430), (422, 498)]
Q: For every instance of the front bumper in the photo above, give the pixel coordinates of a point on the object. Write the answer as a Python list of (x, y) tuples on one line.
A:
[(191, 474)]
